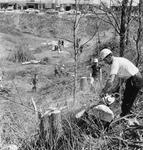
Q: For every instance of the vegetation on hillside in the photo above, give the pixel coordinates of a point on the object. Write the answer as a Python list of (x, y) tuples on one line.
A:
[(20, 53), (19, 121)]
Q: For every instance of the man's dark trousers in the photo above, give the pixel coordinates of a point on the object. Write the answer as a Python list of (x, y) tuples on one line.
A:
[(130, 94)]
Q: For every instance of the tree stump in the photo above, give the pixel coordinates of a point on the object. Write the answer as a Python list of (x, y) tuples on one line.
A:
[(51, 127), (84, 86)]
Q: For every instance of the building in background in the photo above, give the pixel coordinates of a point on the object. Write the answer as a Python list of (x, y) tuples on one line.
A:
[(47, 4), (70, 4), (25, 4)]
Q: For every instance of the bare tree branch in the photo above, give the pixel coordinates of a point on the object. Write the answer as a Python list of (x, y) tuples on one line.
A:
[(92, 36), (107, 22), (110, 15)]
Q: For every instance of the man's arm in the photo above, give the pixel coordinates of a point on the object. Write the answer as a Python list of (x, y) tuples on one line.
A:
[(109, 84)]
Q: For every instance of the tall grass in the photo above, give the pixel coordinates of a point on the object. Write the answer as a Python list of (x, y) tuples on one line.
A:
[(20, 53), (88, 133)]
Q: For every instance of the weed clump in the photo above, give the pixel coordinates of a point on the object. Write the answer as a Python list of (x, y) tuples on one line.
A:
[(21, 53)]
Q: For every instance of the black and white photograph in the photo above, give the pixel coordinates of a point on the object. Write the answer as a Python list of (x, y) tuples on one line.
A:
[(71, 74)]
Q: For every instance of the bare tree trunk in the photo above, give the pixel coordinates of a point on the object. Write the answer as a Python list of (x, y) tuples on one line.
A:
[(128, 22), (75, 64), (123, 27), (77, 46), (75, 52), (139, 33)]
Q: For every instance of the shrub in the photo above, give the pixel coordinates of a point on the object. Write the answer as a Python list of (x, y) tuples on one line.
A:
[(112, 44), (20, 53)]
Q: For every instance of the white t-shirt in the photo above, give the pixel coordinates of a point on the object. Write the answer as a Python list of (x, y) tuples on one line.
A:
[(123, 68)]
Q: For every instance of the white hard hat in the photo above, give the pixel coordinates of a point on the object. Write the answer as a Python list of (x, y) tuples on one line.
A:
[(104, 53), (95, 60)]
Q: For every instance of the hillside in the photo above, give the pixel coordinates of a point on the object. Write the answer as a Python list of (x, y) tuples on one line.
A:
[(33, 34)]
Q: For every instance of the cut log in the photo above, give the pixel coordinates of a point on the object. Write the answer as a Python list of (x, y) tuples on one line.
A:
[(103, 112), (10, 147)]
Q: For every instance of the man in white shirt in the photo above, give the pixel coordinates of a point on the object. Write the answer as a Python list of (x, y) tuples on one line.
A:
[(124, 69)]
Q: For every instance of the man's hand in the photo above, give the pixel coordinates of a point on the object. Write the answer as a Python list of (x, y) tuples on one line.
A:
[(108, 86), (102, 94)]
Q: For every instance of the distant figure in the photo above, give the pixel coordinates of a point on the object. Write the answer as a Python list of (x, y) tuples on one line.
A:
[(56, 71), (62, 43), (34, 83), (95, 68), (56, 48), (95, 72), (59, 45), (60, 71)]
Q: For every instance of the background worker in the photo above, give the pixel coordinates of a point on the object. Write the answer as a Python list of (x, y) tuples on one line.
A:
[(59, 45), (95, 68), (62, 43), (95, 71), (124, 69), (34, 82)]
